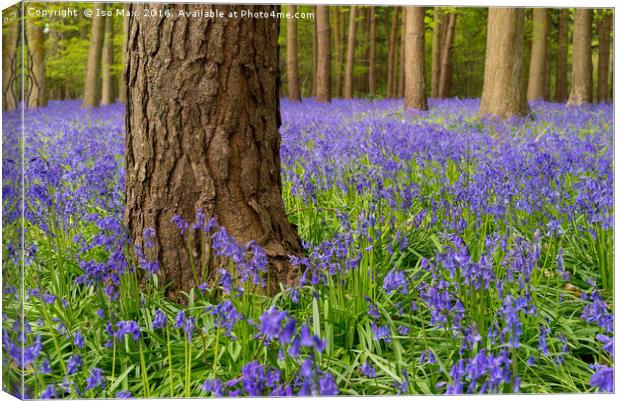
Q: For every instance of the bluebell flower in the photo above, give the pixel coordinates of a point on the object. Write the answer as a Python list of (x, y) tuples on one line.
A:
[(75, 361), (608, 343), (213, 386), (78, 340), (395, 279), (48, 393), (95, 380), (368, 370), (128, 327), (160, 320), (327, 385), (123, 394), (271, 323), (603, 378)]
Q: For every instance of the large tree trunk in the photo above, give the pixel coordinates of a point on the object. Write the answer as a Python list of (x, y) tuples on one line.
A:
[(10, 37), (391, 80), (37, 93), (561, 69), (348, 76), (436, 52), (604, 30), (122, 89), (323, 69), (107, 79), (291, 57), (372, 43), (446, 49), (202, 132), (540, 32), (415, 96), (581, 92), (502, 92), (92, 84)]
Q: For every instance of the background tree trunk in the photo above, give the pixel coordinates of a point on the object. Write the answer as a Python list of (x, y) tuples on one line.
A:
[(540, 33), (92, 85), (502, 92), (348, 76), (10, 37), (401, 76), (107, 79), (323, 69), (391, 80), (338, 45), (372, 72), (561, 71), (604, 30), (446, 49), (291, 57), (415, 96), (436, 52), (315, 51), (122, 89), (207, 137), (37, 93), (581, 91)]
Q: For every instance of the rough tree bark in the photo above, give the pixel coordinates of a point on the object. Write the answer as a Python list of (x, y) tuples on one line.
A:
[(372, 43), (10, 37), (323, 68), (291, 57), (202, 132), (502, 92), (561, 69), (415, 95), (604, 30), (348, 75), (122, 89), (107, 79), (581, 91), (391, 80), (92, 84), (540, 33), (446, 49), (37, 92)]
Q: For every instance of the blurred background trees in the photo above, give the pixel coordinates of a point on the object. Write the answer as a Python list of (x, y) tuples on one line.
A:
[(359, 50)]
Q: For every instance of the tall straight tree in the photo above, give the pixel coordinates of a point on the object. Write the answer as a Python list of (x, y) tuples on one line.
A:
[(391, 79), (291, 57), (10, 37), (415, 96), (604, 30), (348, 75), (107, 78), (207, 138), (122, 89), (372, 49), (339, 47), (436, 52), (37, 92), (324, 57), (502, 91), (446, 49), (538, 59), (561, 69), (581, 91), (400, 89), (92, 84)]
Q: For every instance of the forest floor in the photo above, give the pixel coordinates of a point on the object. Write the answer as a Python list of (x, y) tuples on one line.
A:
[(445, 254)]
